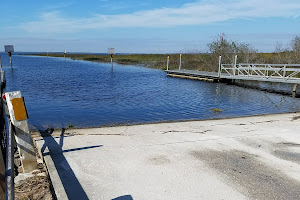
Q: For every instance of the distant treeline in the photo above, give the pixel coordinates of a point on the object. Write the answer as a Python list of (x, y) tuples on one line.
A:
[(208, 61)]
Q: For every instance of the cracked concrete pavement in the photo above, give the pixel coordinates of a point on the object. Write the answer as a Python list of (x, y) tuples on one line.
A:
[(239, 158)]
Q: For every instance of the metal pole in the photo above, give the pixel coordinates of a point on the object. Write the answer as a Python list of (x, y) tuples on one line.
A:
[(10, 55), (180, 62), (9, 174), (168, 62), (111, 61), (235, 60), (219, 73)]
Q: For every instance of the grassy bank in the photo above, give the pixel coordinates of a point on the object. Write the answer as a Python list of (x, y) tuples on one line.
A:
[(157, 61), (205, 62)]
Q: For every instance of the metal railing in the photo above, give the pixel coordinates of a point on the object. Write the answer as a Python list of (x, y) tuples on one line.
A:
[(7, 145), (283, 72), (9, 172)]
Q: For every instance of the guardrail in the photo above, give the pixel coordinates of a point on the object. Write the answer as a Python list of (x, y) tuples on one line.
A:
[(14, 135), (7, 148)]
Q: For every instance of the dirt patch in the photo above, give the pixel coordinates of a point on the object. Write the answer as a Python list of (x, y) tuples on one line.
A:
[(295, 118), (37, 187), (250, 176)]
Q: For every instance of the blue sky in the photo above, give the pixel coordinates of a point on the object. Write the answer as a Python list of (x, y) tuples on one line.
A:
[(148, 26)]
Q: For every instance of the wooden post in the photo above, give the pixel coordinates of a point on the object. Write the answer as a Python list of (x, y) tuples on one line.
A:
[(18, 117), (294, 90)]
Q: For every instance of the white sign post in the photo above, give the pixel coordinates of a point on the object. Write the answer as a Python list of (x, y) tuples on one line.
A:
[(111, 52), (9, 49), (65, 54)]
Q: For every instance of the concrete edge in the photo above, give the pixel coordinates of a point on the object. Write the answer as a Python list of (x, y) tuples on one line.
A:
[(55, 179), (165, 122), (56, 183)]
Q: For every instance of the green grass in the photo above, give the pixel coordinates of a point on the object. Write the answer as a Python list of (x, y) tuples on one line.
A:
[(157, 61), (204, 62)]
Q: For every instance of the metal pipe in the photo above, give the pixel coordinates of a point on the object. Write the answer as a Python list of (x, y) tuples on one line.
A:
[(9, 174)]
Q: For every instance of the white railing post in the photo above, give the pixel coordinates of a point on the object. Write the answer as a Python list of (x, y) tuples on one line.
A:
[(180, 62), (220, 69), (284, 72), (168, 62), (265, 71), (235, 60)]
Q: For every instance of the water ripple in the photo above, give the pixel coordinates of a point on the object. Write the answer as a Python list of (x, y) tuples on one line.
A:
[(59, 92)]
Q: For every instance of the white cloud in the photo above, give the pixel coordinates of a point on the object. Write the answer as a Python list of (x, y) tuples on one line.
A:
[(197, 13)]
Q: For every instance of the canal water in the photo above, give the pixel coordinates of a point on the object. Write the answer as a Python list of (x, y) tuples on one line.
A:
[(61, 92)]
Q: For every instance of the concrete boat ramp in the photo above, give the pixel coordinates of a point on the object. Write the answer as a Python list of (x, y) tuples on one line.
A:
[(240, 158)]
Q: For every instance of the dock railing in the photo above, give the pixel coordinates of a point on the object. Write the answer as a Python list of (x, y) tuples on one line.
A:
[(284, 72)]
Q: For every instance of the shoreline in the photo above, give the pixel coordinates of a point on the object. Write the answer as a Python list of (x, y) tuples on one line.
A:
[(161, 122)]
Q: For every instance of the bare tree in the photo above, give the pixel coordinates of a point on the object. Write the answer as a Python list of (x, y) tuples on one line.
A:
[(227, 48)]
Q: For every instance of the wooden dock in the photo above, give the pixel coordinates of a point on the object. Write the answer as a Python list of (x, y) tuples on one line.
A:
[(192, 74)]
